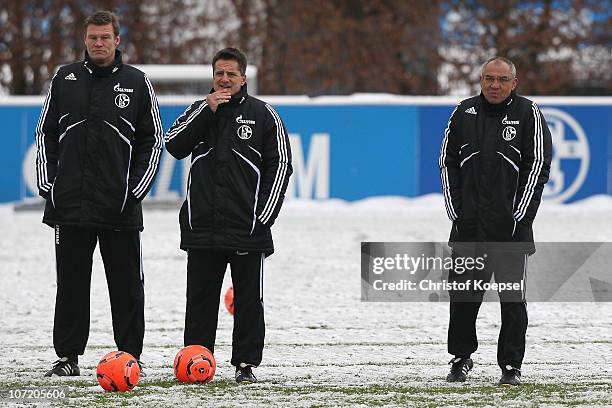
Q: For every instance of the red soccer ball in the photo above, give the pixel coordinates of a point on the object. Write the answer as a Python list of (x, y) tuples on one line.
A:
[(118, 371), (195, 364), (229, 300)]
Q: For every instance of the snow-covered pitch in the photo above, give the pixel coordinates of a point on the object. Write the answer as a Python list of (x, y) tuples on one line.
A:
[(324, 347)]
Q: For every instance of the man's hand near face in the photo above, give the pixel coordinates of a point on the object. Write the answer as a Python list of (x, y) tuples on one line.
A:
[(218, 97)]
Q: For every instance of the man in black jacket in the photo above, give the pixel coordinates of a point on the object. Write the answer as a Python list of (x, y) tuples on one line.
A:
[(99, 139), (494, 162), (240, 167)]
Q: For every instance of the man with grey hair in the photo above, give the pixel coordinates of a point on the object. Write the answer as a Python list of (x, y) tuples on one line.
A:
[(101, 121), (494, 162)]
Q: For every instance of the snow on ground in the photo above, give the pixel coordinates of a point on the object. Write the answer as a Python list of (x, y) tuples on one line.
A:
[(324, 347)]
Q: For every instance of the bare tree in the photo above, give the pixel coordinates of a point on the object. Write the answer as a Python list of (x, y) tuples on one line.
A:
[(341, 46), (318, 47), (251, 27), (312, 47), (546, 39), (37, 36)]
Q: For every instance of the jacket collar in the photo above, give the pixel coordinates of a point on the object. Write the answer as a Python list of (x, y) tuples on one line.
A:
[(103, 71), (496, 107)]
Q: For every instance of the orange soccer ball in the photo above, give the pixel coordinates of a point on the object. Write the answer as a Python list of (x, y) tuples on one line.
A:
[(229, 300), (118, 371), (195, 364)]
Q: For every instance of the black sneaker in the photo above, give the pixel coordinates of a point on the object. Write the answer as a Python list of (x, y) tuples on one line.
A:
[(141, 366), (244, 375), (64, 367), (510, 376), (459, 369)]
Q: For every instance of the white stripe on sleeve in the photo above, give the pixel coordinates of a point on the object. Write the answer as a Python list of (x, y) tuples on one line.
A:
[(536, 169), (448, 202), (158, 133), (178, 129), (281, 171), (42, 177)]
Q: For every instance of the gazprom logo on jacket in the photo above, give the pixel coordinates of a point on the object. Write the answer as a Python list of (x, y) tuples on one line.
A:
[(571, 156)]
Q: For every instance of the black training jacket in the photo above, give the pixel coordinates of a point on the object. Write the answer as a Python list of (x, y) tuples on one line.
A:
[(494, 162), (99, 139), (240, 167)]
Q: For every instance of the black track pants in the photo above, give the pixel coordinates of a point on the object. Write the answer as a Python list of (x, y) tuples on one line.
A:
[(205, 271), (120, 250), (462, 339)]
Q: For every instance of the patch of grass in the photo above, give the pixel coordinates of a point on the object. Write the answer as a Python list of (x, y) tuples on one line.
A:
[(280, 392), (374, 394)]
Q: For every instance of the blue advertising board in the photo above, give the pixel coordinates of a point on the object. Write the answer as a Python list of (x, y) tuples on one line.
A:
[(356, 148)]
